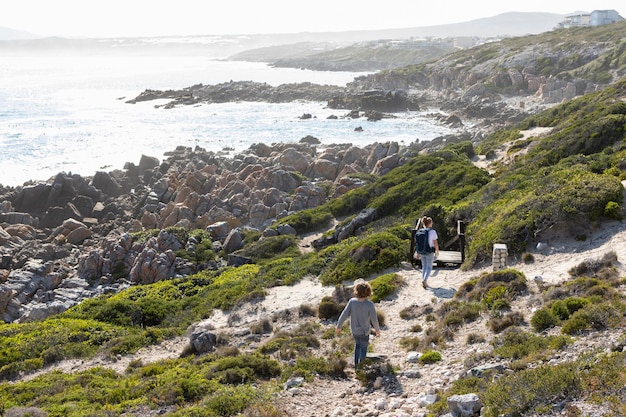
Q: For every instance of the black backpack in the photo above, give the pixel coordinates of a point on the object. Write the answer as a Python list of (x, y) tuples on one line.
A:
[(421, 242)]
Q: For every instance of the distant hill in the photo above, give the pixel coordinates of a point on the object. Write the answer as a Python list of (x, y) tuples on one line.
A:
[(13, 34), (502, 25), (362, 51), (505, 24)]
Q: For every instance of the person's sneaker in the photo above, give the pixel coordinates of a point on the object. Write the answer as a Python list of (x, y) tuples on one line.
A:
[(424, 285)]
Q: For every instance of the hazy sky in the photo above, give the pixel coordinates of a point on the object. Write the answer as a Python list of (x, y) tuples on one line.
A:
[(109, 18)]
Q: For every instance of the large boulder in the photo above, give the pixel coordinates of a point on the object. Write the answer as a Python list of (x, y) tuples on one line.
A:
[(296, 159), (104, 182), (233, 241)]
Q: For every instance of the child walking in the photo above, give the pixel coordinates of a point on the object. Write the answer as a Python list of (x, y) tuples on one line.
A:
[(362, 313)]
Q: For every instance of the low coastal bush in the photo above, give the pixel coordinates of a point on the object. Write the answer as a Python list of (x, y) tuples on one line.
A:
[(270, 247), (310, 366), (599, 378), (289, 270), (385, 285), (514, 343), (309, 220), (293, 343), (29, 346), (491, 288), (430, 356), (455, 313), (192, 381), (360, 257), (198, 248), (531, 390), (329, 309), (543, 319)]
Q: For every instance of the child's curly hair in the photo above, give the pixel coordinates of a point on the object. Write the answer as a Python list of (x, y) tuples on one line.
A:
[(362, 289)]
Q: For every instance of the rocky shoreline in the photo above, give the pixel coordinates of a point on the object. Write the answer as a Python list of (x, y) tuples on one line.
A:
[(69, 238), (373, 97)]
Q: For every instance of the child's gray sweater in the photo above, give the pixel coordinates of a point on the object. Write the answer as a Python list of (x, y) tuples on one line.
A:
[(361, 314)]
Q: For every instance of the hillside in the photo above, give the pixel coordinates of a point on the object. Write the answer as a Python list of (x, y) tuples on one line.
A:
[(524, 72), (192, 306), (415, 386), (393, 48)]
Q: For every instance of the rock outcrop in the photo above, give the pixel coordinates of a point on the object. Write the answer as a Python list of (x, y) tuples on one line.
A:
[(74, 237)]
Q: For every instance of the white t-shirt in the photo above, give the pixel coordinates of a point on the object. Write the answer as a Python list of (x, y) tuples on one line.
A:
[(432, 236)]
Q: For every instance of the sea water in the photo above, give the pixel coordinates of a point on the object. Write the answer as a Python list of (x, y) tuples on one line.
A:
[(67, 112)]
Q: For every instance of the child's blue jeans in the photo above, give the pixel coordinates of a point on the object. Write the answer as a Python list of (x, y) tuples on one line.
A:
[(361, 342)]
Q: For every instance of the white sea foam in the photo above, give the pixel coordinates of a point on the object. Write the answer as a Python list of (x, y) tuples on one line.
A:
[(67, 113)]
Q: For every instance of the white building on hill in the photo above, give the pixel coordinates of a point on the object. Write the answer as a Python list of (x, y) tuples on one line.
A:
[(595, 18)]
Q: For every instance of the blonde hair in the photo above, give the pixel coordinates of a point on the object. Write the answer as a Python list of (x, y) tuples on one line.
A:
[(427, 221), (362, 289)]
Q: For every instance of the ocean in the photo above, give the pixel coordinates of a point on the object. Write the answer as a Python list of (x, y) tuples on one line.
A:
[(66, 112)]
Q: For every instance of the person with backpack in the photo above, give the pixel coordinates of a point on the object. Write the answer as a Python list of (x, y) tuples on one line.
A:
[(426, 248)]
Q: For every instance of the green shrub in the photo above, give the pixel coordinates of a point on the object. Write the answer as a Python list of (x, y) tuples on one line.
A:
[(385, 285), (201, 251), (230, 400), (514, 343), (361, 257), (501, 304), (288, 270), (543, 319), (329, 309), (559, 309), (230, 286), (29, 346), (593, 316), (574, 304), (494, 294), (430, 356), (270, 248), (310, 366), (531, 390), (309, 220), (243, 368), (506, 284), (455, 313), (291, 344)]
